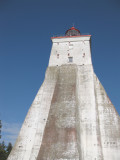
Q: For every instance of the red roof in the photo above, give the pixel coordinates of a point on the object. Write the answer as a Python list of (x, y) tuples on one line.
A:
[(71, 36), (72, 28)]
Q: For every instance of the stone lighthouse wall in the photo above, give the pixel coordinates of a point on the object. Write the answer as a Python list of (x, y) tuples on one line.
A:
[(71, 117)]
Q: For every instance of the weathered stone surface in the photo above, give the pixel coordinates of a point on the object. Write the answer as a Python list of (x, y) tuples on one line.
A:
[(60, 135)]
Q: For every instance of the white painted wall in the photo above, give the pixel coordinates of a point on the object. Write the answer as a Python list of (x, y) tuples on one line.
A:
[(109, 123), (76, 47), (29, 140), (89, 132)]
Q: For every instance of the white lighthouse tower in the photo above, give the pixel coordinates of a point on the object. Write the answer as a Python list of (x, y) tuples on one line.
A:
[(71, 117)]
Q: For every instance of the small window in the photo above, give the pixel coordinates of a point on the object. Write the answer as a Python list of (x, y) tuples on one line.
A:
[(70, 59), (57, 55), (83, 54)]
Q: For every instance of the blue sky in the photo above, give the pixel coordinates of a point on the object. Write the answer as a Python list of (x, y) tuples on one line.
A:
[(26, 27)]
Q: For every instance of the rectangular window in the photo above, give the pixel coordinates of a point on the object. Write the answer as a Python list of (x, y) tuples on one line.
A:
[(70, 59)]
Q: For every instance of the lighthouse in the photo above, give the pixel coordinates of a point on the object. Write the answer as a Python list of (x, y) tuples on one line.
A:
[(71, 117)]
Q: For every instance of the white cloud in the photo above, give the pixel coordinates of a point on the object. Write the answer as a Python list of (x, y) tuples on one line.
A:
[(10, 132)]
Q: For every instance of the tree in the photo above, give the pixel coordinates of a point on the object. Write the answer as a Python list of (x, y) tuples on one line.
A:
[(9, 148), (4, 150), (0, 128), (3, 153)]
